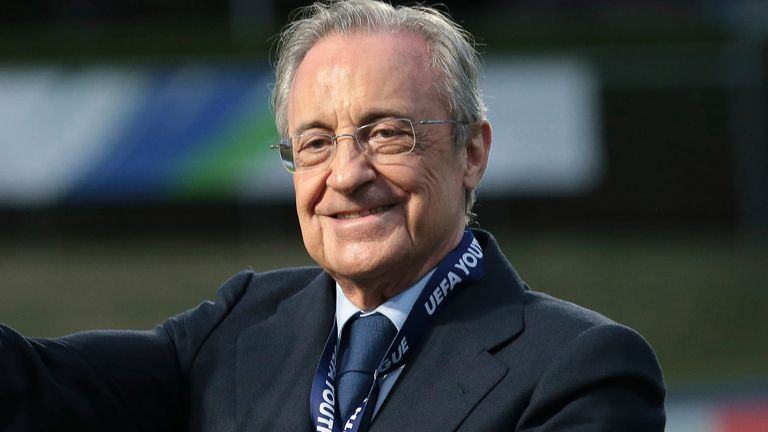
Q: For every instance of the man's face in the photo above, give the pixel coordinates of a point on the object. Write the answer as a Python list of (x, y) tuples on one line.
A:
[(366, 223)]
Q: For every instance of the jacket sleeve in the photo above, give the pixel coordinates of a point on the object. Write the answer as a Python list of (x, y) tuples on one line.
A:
[(107, 380), (606, 379)]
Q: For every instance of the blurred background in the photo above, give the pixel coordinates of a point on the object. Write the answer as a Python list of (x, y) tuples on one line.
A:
[(629, 171)]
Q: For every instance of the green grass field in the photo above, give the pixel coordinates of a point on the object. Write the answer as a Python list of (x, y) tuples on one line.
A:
[(700, 299)]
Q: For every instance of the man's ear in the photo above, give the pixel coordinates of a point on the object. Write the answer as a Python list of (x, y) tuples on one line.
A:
[(477, 154)]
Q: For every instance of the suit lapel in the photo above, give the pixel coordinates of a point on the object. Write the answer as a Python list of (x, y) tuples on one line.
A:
[(453, 368), (276, 360)]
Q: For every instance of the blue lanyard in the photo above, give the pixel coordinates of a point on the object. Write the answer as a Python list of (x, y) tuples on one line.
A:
[(462, 265)]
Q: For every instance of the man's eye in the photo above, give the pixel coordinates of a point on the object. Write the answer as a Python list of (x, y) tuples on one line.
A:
[(315, 144), (383, 134)]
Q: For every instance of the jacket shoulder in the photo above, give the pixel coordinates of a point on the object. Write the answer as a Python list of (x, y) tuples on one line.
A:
[(271, 286), (554, 329), (544, 310), (246, 293)]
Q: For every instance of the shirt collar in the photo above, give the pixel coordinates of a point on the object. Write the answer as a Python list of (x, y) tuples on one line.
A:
[(396, 309)]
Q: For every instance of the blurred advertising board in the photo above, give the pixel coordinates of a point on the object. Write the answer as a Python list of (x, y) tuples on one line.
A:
[(96, 133)]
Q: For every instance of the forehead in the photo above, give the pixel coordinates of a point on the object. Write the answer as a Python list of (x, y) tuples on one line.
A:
[(343, 78)]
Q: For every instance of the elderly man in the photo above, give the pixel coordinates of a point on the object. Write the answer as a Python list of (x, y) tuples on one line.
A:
[(411, 322)]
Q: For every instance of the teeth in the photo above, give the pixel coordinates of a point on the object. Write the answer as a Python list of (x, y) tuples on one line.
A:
[(355, 215)]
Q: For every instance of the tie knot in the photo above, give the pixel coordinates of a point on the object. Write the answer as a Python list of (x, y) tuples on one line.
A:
[(368, 337)]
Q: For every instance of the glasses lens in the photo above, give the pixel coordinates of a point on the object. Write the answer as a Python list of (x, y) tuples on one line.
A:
[(286, 155), (310, 150), (387, 137)]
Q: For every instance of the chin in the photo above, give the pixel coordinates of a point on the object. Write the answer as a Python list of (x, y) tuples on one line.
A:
[(368, 261)]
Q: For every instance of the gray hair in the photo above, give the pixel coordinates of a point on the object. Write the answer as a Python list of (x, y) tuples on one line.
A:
[(452, 52)]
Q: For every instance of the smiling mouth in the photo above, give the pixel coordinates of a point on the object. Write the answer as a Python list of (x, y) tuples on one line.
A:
[(363, 213)]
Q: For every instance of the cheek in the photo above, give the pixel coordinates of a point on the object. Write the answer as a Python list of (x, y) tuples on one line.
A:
[(442, 188), (307, 191), (432, 190)]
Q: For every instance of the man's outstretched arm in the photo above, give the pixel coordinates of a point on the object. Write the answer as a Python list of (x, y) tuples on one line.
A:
[(90, 381)]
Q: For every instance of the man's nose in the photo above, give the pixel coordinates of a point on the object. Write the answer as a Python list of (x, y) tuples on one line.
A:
[(349, 166)]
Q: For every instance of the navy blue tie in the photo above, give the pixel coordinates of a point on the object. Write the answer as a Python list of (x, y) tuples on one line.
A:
[(364, 342)]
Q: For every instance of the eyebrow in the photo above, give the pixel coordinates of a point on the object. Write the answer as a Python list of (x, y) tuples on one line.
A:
[(378, 114), (315, 124), (369, 117)]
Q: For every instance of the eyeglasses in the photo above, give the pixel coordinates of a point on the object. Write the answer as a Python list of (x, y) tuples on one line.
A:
[(383, 141)]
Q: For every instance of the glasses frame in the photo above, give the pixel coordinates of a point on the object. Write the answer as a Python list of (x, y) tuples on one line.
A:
[(285, 147)]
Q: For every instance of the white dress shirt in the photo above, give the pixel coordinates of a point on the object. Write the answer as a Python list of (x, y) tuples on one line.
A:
[(396, 309)]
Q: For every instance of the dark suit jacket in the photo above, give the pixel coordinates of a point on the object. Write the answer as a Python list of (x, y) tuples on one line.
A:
[(499, 357)]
